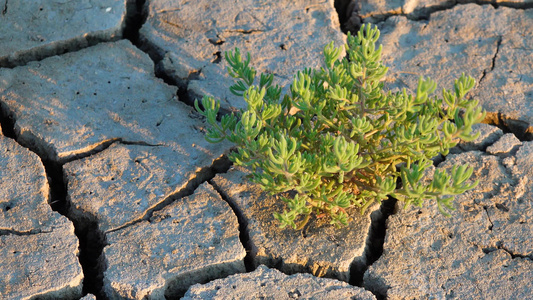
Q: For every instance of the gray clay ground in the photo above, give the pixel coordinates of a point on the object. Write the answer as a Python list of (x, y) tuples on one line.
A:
[(108, 189)]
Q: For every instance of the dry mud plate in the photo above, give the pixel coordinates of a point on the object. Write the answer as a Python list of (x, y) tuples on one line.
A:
[(108, 189)]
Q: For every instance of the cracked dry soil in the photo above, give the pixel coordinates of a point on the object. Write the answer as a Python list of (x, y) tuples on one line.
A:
[(122, 157)]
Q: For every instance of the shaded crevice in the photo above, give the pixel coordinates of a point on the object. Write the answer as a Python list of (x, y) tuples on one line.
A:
[(374, 243), (344, 10), (511, 4), (189, 97), (499, 246), (45, 51), (424, 13), (183, 93), (92, 243), (244, 235), (136, 15), (245, 31), (420, 14), (138, 143), (58, 187), (4, 11), (496, 119), (521, 129), (485, 208), (21, 233), (216, 42), (514, 255), (155, 53), (95, 149), (349, 17), (217, 57), (220, 165), (439, 158), (7, 122), (493, 62)]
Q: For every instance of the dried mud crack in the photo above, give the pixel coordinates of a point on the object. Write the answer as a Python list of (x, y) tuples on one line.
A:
[(493, 62), (91, 241), (244, 236), (374, 243), (135, 17), (4, 11), (499, 246), (350, 20), (521, 129), (219, 165), (422, 13)]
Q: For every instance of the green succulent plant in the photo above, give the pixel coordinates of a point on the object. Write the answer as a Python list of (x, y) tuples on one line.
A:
[(338, 140)]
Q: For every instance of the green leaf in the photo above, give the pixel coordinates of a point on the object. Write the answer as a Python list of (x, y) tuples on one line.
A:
[(331, 54)]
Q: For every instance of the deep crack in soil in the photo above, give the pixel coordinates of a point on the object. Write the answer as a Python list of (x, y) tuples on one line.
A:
[(244, 236), (374, 243), (91, 241), (137, 14), (135, 17), (205, 174), (521, 129), (424, 13)]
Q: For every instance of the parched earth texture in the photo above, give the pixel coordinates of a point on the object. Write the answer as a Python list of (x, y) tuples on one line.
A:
[(108, 189)]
